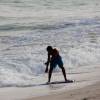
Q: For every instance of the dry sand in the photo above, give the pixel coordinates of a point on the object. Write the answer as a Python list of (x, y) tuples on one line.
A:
[(91, 92)]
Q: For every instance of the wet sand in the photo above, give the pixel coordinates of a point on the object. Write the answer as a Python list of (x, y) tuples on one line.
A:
[(85, 87), (91, 92)]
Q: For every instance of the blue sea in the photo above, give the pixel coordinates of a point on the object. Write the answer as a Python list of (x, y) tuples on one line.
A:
[(27, 27)]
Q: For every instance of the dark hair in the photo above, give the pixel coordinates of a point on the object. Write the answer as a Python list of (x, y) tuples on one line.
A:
[(49, 48)]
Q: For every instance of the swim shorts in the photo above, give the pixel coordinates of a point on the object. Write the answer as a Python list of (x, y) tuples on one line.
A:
[(56, 61)]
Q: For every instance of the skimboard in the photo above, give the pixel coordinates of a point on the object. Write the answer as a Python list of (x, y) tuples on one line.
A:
[(51, 83), (58, 82)]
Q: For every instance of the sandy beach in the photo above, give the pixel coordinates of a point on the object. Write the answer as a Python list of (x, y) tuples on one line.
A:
[(91, 92), (85, 87)]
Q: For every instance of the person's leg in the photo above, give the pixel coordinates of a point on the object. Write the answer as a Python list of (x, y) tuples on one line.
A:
[(64, 73), (60, 64), (46, 70), (52, 66), (50, 73)]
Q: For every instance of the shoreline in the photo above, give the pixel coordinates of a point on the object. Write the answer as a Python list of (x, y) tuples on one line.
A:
[(90, 92), (84, 83), (87, 87)]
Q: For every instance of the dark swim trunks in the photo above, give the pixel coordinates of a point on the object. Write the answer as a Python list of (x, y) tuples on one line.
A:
[(56, 61)]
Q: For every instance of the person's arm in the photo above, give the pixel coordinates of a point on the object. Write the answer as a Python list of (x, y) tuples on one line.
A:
[(47, 63)]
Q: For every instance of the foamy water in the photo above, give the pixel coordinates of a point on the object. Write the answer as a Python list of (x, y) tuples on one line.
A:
[(28, 26)]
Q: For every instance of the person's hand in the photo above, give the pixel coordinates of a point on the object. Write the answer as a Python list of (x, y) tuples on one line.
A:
[(45, 63), (46, 70)]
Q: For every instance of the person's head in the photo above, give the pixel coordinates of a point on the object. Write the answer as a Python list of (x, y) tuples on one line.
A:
[(49, 48)]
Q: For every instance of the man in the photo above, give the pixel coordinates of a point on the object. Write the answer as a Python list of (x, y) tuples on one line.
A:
[(54, 59)]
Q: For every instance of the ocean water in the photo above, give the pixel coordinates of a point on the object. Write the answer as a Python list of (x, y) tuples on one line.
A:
[(28, 26)]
